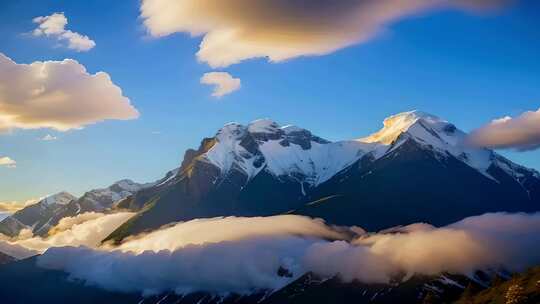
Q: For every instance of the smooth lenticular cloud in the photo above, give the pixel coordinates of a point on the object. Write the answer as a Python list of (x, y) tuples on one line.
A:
[(55, 26), (236, 30), (200, 231), (521, 133), (242, 254), (60, 95), (223, 83)]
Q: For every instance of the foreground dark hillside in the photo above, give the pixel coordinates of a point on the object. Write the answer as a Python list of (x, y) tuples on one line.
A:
[(521, 289)]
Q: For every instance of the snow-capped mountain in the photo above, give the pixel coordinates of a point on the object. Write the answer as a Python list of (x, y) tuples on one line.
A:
[(102, 199), (45, 214), (37, 216), (288, 151), (416, 160), (433, 133), (291, 151)]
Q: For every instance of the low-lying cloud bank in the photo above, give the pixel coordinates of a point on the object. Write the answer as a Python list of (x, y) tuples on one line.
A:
[(244, 254), (236, 30), (521, 133), (87, 229)]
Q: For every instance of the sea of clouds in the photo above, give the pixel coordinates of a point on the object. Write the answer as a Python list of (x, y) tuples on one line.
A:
[(242, 255)]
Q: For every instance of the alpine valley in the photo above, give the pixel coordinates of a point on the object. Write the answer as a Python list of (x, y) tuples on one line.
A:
[(417, 168)]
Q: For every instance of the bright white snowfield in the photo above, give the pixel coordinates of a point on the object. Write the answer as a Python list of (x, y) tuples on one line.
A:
[(296, 153)]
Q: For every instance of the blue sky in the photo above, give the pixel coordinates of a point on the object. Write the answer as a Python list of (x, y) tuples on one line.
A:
[(467, 68)]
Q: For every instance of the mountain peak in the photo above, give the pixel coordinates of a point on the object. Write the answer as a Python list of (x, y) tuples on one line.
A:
[(127, 184), (397, 124), (61, 198), (264, 125)]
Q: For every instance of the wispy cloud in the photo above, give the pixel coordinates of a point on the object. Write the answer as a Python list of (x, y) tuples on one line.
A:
[(49, 137), (7, 162), (60, 95), (521, 133), (55, 26), (223, 83), (236, 30), (12, 206)]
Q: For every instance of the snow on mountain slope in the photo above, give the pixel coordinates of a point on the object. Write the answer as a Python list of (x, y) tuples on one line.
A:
[(61, 198), (104, 198), (433, 133), (296, 153), (287, 151), (314, 165), (231, 151)]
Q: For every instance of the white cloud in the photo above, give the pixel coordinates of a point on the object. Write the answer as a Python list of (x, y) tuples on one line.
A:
[(7, 162), (49, 137), (521, 133), (68, 223), (243, 254), (12, 206), (55, 26), (200, 231), (57, 94), (236, 30), (223, 83), (87, 229)]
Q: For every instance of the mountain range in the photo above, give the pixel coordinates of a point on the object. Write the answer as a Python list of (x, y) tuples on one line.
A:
[(417, 161), (47, 212), (417, 168)]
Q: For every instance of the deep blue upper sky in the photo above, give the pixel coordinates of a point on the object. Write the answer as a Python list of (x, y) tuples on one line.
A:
[(466, 68)]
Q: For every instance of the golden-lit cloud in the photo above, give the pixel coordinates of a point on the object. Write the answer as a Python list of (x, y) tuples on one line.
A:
[(87, 229), (236, 30), (223, 83), (12, 206), (60, 95), (236, 254), (7, 162), (55, 26), (520, 133), (200, 231), (240, 254)]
